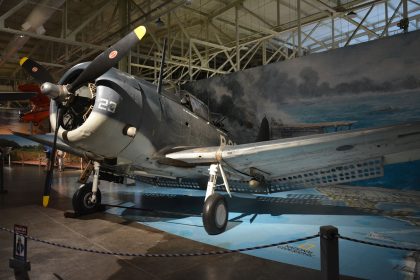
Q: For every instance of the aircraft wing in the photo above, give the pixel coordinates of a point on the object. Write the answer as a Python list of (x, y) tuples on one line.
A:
[(48, 139), (322, 159)]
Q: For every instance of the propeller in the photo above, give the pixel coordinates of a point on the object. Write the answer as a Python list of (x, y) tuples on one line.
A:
[(109, 58), (62, 94), (40, 74), (37, 71), (101, 64), (50, 172)]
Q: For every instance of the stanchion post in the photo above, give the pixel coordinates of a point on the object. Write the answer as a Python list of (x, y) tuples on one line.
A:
[(329, 253)]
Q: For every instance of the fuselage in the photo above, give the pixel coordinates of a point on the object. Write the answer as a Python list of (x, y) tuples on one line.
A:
[(131, 124)]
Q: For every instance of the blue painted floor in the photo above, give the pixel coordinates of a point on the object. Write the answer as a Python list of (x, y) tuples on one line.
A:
[(260, 220)]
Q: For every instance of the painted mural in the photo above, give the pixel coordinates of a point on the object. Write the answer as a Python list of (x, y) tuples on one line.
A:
[(375, 83)]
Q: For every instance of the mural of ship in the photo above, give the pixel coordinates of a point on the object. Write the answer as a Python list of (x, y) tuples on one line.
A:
[(282, 130)]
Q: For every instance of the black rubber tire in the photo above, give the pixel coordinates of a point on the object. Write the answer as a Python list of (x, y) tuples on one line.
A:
[(212, 205), (80, 200)]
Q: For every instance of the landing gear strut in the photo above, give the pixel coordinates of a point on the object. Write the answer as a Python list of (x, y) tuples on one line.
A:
[(87, 199), (215, 210)]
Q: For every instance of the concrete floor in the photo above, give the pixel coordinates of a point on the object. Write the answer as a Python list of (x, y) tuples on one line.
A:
[(108, 232)]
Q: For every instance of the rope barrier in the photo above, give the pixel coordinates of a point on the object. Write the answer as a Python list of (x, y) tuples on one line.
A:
[(193, 254), (379, 244), (206, 253)]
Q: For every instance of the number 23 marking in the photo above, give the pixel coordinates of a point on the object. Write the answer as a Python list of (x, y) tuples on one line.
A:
[(107, 105)]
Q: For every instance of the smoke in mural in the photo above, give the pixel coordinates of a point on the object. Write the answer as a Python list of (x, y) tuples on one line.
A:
[(371, 84)]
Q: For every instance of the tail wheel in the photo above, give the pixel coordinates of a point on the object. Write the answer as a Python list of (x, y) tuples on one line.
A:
[(82, 200), (215, 214)]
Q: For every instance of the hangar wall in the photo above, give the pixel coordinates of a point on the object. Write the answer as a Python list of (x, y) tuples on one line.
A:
[(375, 83)]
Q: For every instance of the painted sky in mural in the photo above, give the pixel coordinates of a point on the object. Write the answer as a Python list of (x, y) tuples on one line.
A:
[(374, 83)]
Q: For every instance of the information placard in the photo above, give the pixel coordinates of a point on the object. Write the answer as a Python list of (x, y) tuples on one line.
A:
[(20, 243)]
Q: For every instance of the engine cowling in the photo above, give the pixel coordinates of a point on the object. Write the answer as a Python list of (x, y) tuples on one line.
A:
[(101, 119)]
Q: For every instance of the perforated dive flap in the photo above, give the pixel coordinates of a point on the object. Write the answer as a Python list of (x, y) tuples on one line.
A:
[(333, 175)]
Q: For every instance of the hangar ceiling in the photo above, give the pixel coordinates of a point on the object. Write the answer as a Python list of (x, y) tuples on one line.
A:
[(205, 37)]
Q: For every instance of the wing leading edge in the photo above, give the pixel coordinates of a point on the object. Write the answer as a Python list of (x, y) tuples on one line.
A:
[(47, 139), (287, 159)]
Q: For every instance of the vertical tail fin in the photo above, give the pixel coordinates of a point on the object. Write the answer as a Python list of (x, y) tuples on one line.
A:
[(264, 132)]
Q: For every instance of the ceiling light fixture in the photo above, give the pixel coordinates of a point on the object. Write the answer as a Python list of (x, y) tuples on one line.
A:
[(159, 22)]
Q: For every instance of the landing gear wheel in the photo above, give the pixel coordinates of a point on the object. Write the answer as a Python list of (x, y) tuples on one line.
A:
[(81, 200), (215, 214)]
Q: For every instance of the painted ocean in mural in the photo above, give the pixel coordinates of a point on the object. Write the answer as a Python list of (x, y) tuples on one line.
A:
[(369, 110)]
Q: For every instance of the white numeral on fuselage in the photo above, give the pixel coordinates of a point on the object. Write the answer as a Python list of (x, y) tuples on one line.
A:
[(107, 105)]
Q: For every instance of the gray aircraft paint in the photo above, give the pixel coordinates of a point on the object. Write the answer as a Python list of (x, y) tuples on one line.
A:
[(161, 124)]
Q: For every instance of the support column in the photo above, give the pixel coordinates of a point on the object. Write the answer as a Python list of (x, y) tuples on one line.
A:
[(405, 15), (155, 67), (64, 29), (332, 31), (206, 54), (190, 60), (182, 44), (169, 36), (123, 8), (2, 190), (238, 55), (264, 52), (299, 29), (386, 18)]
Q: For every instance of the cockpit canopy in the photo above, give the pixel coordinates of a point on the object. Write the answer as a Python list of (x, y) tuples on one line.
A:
[(190, 102), (195, 104)]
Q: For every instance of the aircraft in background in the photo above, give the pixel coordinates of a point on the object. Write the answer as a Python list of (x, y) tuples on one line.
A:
[(128, 127), (40, 103)]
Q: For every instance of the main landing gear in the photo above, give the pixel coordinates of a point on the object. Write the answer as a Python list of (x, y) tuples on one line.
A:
[(87, 199), (83, 202), (215, 210)]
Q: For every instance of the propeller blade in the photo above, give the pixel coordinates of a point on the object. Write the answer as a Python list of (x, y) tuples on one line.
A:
[(36, 70), (49, 177), (109, 58)]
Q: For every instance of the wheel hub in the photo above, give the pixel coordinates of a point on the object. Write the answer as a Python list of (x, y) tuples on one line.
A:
[(220, 214), (87, 200)]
